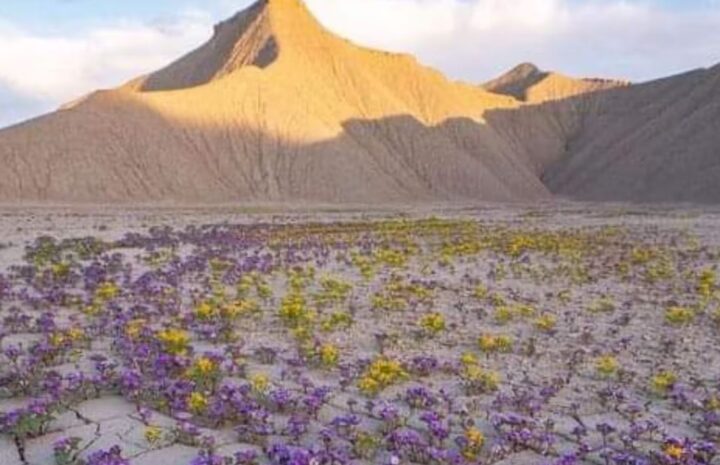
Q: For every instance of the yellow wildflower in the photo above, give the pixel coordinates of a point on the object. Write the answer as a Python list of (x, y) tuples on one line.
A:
[(175, 340), (198, 402), (329, 355), (153, 434), (260, 382), (674, 451), (606, 365)]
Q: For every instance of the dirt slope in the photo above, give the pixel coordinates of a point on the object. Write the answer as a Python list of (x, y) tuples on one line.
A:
[(655, 142)]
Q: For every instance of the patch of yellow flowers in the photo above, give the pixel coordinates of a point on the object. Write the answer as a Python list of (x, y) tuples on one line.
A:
[(546, 322), (329, 355), (153, 435), (706, 283), (674, 451), (679, 316), (490, 343), (175, 341), (506, 313), (663, 381), (70, 336), (475, 441), (477, 380), (204, 370), (107, 291), (333, 291), (260, 383), (381, 373), (134, 328), (432, 323), (294, 310), (606, 365), (198, 402)]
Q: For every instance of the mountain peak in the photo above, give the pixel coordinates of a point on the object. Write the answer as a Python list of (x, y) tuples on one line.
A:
[(517, 81), (528, 83), (252, 37), (525, 70)]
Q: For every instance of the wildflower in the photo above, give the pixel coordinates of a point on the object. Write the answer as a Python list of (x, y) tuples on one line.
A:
[(175, 341), (382, 373), (679, 315), (546, 323), (206, 457), (480, 292), (606, 365), (603, 305), (472, 443), (260, 383), (107, 291), (663, 381), (420, 398), (197, 402), (57, 339), (153, 434), (487, 343), (134, 327), (504, 315), (673, 449), (76, 334), (706, 283), (423, 365), (65, 450), (205, 311), (329, 355), (113, 456), (477, 381), (203, 369), (490, 343), (433, 323), (468, 359)]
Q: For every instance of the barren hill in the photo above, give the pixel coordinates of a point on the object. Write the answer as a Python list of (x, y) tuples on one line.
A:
[(654, 142), (276, 108), (273, 107), (528, 83)]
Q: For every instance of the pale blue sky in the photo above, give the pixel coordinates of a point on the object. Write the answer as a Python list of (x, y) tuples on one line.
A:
[(52, 51), (61, 13)]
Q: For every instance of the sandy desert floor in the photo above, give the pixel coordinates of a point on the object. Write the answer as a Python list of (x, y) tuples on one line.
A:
[(480, 335)]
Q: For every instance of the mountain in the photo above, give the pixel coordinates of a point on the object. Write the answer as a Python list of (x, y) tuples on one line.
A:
[(654, 142), (274, 108), (528, 83)]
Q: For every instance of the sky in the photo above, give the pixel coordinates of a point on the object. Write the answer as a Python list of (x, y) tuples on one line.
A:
[(54, 51)]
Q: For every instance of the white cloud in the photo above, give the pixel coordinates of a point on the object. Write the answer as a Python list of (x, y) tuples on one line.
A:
[(476, 39), (468, 39), (534, 15), (43, 71), (391, 24)]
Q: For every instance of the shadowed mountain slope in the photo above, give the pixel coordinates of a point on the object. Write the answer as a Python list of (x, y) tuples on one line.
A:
[(655, 142)]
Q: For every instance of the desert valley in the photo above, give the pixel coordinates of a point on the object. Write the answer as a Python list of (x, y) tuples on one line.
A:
[(287, 249)]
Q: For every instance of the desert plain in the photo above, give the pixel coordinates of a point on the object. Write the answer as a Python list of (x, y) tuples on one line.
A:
[(546, 334)]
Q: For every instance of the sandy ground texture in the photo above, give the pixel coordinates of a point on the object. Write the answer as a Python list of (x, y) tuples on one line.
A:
[(481, 335)]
